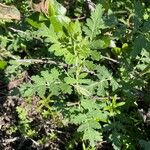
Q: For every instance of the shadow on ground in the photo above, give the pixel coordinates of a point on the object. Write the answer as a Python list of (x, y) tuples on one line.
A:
[(8, 114)]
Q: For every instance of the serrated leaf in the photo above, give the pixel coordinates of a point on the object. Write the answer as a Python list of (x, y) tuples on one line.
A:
[(97, 44), (39, 85), (115, 138), (146, 26), (104, 76), (54, 89), (90, 123), (114, 84), (98, 115), (95, 55), (27, 90), (65, 88), (90, 65), (57, 49), (54, 73), (83, 75), (95, 23), (139, 9), (101, 90), (89, 104), (78, 119), (49, 33), (139, 45), (74, 28), (69, 58), (70, 80), (92, 136), (59, 9), (94, 124), (82, 90), (46, 75)]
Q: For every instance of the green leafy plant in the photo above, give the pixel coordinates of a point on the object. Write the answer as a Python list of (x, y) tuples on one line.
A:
[(24, 123), (91, 72)]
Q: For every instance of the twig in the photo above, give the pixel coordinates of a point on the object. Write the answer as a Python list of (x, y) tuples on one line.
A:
[(40, 61), (120, 12), (18, 31), (10, 140), (58, 131), (78, 18), (72, 104), (35, 143), (113, 60), (49, 62), (103, 98)]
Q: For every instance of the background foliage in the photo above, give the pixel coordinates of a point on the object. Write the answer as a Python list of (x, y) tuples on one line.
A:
[(82, 67)]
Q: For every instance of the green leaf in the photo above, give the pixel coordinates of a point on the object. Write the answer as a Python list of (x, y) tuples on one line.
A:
[(144, 144), (49, 33), (90, 123), (3, 64), (94, 23), (57, 15), (39, 85), (98, 115), (102, 43), (74, 28), (57, 49), (90, 65), (104, 76), (59, 21), (95, 55), (102, 86), (114, 84), (51, 8), (65, 88), (139, 45), (82, 90), (79, 119), (89, 104), (97, 44), (93, 136), (146, 26), (70, 80), (139, 9), (83, 75), (120, 104), (33, 20), (59, 9)]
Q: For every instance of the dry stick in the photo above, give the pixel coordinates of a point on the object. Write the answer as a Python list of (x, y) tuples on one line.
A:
[(103, 98), (60, 64), (113, 60), (79, 18), (49, 62), (19, 31), (40, 61), (10, 140), (120, 12), (36, 143)]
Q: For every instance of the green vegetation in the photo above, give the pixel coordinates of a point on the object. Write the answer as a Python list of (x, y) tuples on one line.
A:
[(85, 70)]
